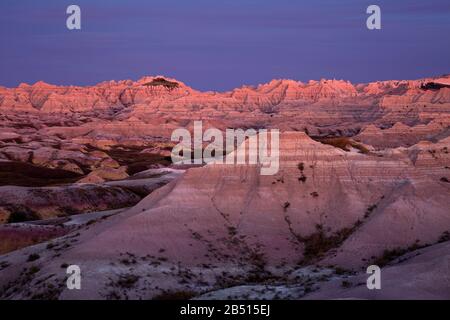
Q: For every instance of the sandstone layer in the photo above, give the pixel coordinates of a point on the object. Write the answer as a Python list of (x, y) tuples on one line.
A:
[(363, 179)]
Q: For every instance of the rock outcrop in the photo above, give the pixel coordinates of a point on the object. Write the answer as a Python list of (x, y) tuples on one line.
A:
[(326, 206), (363, 179)]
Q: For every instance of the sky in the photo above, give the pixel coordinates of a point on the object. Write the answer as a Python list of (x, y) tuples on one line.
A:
[(222, 44)]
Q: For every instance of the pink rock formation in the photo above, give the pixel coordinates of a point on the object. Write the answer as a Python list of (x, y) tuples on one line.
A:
[(325, 206), (338, 203)]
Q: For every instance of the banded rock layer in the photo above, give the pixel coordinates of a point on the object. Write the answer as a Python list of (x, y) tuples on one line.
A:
[(326, 206)]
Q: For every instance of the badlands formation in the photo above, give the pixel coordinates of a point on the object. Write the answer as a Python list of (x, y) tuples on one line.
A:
[(86, 179)]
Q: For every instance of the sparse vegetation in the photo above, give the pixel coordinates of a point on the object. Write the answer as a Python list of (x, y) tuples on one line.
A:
[(33, 257), (113, 295), (369, 210), (257, 260), (127, 281), (301, 167), (50, 245), (232, 231), (444, 237), (317, 244), (50, 291), (127, 261), (92, 221), (341, 271), (175, 295), (4, 264), (33, 270), (22, 214), (389, 255)]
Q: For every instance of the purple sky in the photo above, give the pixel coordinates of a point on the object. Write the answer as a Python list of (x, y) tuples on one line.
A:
[(221, 44)]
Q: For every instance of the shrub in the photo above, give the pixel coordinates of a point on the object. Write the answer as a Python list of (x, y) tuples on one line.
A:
[(389, 255), (50, 245), (33, 270), (318, 243), (4, 264), (257, 260), (444, 237), (175, 295), (33, 257), (232, 231), (22, 216), (92, 221), (369, 210), (127, 280), (340, 271)]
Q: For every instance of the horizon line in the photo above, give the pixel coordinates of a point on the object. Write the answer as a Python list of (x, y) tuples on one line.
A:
[(443, 75)]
